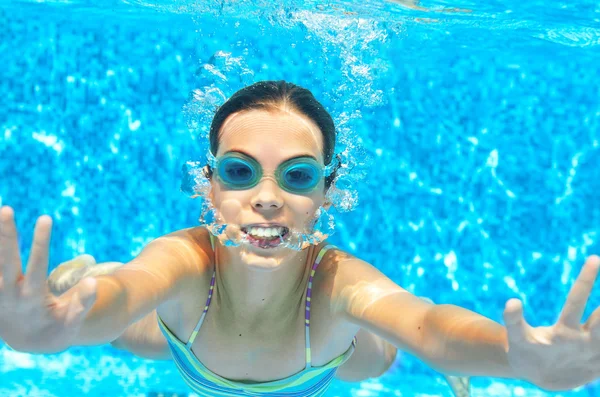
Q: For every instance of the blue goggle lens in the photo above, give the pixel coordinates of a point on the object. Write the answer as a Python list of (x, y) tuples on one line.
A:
[(300, 177), (238, 173)]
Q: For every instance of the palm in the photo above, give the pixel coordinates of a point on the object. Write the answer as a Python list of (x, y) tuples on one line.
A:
[(565, 355), (31, 318)]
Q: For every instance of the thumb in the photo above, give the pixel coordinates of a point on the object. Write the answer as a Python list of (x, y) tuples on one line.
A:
[(592, 325), (82, 301)]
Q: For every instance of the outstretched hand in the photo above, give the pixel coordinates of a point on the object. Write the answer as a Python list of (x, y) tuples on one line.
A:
[(31, 318), (565, 355)]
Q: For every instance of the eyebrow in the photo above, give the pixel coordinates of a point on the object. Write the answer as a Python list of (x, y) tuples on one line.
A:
[(288, 159)]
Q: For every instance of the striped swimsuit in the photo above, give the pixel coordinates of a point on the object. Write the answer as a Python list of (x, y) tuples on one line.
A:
[(311, 381)]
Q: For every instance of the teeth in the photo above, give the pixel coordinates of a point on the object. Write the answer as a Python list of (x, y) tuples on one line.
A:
[(266, 231), (271, 232)]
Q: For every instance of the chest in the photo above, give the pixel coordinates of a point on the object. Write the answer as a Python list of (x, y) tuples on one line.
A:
[(266, 353)]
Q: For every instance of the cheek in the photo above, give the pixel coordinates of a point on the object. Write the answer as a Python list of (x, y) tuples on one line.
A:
[(230, 209), (306, 206), (228, 203)]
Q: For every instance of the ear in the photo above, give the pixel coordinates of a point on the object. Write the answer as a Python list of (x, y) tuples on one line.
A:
[(207, 172), (327, 204)]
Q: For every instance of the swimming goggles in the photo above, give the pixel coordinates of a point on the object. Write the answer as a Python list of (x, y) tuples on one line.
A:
[(299, 175)]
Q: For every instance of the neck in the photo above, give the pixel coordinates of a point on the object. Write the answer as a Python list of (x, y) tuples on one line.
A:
[(254, 292)]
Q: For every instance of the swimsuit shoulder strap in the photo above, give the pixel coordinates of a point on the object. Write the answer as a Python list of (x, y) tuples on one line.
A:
[(212, 240), (188, 345), (322, 253)]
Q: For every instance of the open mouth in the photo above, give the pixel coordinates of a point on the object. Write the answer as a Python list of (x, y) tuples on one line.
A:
[(265, 236)]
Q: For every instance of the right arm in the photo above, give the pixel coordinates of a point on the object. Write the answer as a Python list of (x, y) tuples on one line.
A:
[(144, 339), (136, 289), (95, 310)]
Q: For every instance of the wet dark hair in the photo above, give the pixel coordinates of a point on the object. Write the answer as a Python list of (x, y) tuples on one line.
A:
[(270, 95)]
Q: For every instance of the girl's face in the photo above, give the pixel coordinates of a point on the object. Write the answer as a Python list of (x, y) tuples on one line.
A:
[(271, 138)]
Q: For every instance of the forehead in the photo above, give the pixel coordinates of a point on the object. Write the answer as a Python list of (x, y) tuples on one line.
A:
[(273, 134)]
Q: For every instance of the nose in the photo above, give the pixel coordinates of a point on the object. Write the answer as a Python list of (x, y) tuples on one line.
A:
[(268, 195)]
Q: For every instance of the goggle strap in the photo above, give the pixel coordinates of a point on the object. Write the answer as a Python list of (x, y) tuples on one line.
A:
[(212, 160), (333, 166)]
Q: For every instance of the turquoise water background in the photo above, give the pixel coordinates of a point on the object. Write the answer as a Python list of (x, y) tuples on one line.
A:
[(477, 132)]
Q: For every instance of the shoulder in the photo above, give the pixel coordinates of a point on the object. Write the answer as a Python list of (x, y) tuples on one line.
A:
[(346, 269), (178, 258), (352, 282), (197, 236), (191, 246)]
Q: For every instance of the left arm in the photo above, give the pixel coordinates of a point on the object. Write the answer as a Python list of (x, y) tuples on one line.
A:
[(454, 340), (450, 339)]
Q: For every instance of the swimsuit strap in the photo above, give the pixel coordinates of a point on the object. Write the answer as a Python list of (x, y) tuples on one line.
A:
[(212, 240), (188, 345), (322, 253)]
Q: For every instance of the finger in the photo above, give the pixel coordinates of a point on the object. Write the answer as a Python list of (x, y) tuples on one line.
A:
[(516, 326), (37, 266), (81, 302), (10, 259), (579, 294), (593, 324)]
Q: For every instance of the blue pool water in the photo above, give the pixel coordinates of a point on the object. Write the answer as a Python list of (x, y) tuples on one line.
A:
[(478, 132)]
